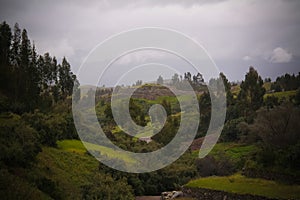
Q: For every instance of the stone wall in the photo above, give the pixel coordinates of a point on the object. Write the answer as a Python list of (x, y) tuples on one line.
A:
[(207, 194)]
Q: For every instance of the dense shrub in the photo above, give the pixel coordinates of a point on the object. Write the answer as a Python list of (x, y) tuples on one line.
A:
[(210, 166), (18, 141), (231, 131)]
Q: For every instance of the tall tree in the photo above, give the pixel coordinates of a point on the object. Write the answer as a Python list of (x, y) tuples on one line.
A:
[(25, 50), (16, 47), (5, 42), (65, 78), (252, 92), (34, 78), (227, 85), (160, 80), (46, 71), (24, 70)]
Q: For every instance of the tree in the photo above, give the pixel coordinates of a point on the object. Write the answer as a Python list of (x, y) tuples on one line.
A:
[(46, 71), (227, 85), (138, 82), (252, 92), (278, 127), (5, 42), (25, 51), (24, 70), (205, 113), (33, 79), (65, 78), (231, 131), (160, 80), (175, 79), (15, 49), (188, 76)]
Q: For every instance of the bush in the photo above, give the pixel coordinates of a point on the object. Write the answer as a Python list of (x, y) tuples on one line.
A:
[(18, 141), (210, 166), (51, 127), (231, 131)]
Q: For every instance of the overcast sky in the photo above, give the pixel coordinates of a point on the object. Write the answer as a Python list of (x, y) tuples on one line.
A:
[(236, 33)]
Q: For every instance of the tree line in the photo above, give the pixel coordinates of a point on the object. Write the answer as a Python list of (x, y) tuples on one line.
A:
[(30, 80)]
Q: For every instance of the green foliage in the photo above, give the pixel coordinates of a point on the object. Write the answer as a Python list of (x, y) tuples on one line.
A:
[(282, 96), (225, 158), (209, 166), (105, 187), (153, 183), (78, 147), (252, 92), (168, 131), (14, 187), (278, 127), (271, 101), (18, 141), (231, 131), (51, 127), (74, 175), (205, 113)]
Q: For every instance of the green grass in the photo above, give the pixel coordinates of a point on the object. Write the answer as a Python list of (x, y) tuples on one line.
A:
[(243, 185), (281, 95), (78, 147), (234, 151), (69, 170), (69, 167)]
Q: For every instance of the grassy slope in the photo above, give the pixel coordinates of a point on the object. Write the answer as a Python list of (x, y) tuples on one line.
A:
[(234, 151), (69, 170), (280, 95), (70, 167), (242, 185), (285, 94), (77, 146)]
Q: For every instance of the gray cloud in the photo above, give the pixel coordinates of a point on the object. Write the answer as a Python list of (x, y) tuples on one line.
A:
[(280, 55), (229, 30)]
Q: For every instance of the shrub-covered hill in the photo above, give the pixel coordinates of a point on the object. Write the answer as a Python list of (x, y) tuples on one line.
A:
[(63, 174)]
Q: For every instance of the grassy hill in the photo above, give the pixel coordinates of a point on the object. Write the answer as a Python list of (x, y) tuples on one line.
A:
[(243, 185), (69, 173), (78, 147)]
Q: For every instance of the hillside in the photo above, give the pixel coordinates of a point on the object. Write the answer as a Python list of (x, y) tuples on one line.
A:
[(242, 185), (69, 173)]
